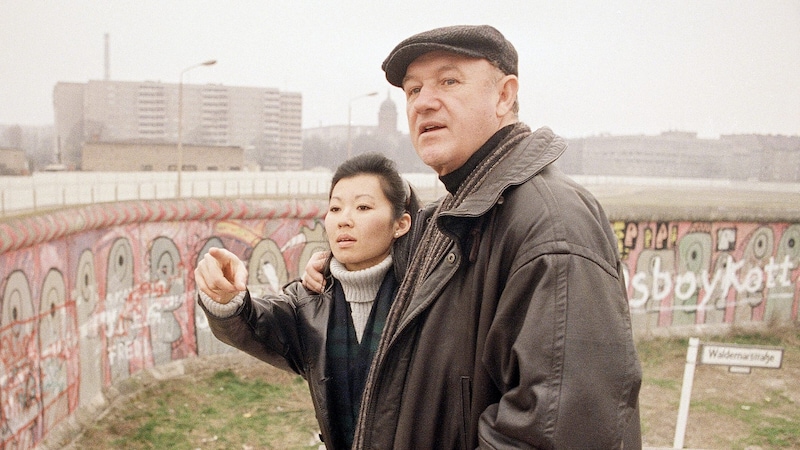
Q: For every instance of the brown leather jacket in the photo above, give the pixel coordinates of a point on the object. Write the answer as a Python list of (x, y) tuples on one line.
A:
[(521, 336)]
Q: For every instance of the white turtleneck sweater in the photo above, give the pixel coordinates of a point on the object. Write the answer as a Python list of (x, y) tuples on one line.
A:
[(360, 289)]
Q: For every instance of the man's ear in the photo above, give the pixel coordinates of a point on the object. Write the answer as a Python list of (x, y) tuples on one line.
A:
[(508, 87)]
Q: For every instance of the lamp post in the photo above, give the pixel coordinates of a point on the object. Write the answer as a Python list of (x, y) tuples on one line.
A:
[(210, 62), (349, 115)]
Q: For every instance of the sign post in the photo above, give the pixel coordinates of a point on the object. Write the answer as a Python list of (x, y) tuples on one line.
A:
[(739, 359), (686, 393)]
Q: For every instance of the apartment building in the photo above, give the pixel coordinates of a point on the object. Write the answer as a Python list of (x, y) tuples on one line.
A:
[(265, 122), (683, 154)]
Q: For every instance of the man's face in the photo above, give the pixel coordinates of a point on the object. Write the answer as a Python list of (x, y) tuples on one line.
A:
[(452, 107)]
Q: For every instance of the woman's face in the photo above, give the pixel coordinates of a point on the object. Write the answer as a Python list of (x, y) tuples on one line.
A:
[(359, 222)]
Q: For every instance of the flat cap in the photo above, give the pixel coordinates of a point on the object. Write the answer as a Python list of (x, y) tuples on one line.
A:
[(477, 41)]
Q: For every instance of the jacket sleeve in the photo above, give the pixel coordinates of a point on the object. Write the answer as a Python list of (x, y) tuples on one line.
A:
[(265, 328), (568, 371)]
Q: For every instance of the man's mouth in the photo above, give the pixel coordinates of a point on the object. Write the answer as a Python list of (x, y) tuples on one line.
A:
[(427, 128)]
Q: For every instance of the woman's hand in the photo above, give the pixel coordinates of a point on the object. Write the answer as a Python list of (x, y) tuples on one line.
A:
[(221, 275)]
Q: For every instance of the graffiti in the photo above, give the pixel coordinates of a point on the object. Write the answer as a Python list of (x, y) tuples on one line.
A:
[(20, 394), (88, 309), (693, 273), (84, 308), (686, 284)]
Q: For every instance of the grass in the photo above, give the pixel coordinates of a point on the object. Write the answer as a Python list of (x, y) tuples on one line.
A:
[(220, 410), (736, 411), (772, 422), (249, 405)]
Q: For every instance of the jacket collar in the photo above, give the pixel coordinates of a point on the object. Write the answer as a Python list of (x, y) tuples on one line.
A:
[(530, 157)]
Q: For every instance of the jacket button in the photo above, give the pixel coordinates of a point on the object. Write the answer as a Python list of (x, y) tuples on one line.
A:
[(451, 258)]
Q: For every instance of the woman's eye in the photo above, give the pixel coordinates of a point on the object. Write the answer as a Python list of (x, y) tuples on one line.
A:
[(450, 82)]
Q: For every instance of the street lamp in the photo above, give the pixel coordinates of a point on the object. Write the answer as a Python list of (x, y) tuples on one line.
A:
[(210, 62), (349, 115)]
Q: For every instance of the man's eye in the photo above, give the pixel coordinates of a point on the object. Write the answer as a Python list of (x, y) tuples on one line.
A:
[(449, 82), (412, 91)]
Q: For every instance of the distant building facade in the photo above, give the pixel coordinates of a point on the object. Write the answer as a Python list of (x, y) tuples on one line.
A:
[(35, 142), (327, 146), (683, 154), (670, 154), (115, 157), (265, 122), (774, 158), (13, 162)]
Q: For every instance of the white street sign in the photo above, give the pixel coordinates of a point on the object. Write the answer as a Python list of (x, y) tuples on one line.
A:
[(741, 355), (739, 359)]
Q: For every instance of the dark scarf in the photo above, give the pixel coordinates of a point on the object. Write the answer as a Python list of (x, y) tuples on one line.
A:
[(349, 360), (425, 258), (452, 181)]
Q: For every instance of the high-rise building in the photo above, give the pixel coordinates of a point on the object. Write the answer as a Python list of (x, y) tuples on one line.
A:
[(265, 122)]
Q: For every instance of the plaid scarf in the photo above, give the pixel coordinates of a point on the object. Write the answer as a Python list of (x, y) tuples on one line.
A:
[(427, 256)]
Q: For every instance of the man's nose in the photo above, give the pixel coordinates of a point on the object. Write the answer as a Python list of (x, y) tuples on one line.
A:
[(426, 98)]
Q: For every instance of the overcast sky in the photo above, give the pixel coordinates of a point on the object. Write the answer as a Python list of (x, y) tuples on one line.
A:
[(586, 67)]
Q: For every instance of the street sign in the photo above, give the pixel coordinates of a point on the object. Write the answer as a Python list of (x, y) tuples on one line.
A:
[(741, 355), (738, 358)]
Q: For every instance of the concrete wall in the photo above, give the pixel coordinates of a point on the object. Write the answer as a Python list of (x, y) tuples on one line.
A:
[(682, 273), (92, 295)]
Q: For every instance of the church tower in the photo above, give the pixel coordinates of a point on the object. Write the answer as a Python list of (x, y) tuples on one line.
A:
[(387, 117)]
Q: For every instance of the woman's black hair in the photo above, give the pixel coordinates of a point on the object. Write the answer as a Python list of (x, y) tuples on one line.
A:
[(397, 190)]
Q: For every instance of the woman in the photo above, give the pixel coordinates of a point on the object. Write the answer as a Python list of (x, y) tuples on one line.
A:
[(328, 338)]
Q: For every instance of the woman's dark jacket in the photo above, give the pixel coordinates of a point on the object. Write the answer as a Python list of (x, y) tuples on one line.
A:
[(288, 331)]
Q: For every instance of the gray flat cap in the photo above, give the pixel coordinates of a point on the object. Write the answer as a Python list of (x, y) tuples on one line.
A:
[(477, 41)]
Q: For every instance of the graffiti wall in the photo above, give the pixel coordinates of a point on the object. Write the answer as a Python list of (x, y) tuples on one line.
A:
[(90, 296), (703, 273)]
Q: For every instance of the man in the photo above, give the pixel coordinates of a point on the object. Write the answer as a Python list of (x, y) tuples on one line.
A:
[(511, 328)]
